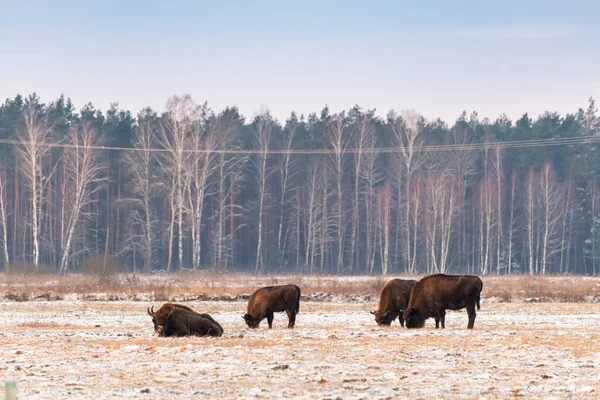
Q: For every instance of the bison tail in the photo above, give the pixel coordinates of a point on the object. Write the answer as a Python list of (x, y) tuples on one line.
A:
[(479, 296), (298, 300)]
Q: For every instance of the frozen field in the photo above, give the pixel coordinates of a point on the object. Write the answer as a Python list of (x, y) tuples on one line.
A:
[(97, 350)]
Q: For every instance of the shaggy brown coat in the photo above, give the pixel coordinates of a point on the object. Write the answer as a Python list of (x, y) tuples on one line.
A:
[(159, 316), (393, 299), (271, 299), (180, 322), (434, 294)]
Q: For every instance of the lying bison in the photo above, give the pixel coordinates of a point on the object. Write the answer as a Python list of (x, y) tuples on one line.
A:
[(180, 322), (271, 299), (434, 294), (392, 301), (159, 316)]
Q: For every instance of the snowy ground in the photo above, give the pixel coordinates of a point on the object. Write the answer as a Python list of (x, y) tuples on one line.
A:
[(97, 350)]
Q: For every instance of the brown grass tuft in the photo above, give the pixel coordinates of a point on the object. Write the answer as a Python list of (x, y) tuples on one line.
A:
[(202, 285)]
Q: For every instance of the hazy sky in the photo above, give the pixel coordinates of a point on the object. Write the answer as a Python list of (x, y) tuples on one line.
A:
[(437, 57)]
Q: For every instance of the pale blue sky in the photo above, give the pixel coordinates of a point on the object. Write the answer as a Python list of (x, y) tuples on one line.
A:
[(437, 57)]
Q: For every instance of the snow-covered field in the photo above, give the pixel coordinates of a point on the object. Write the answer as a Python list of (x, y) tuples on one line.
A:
[(96, 350)]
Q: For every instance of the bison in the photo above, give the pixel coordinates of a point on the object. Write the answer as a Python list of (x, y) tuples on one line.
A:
[(158, 316), (434, 294), (268, 300), (180, 322), (392, 301)]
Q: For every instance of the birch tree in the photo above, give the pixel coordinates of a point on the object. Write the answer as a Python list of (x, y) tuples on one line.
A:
[(3, 222), (182, 116), (199, 168), (228, 170), (407, 129), (83, 175), (312, 213), (364, 139), (339, 140), (530, 212), (513, 181), (287, 171), (384, 204), (550, 205), (441, 201), (371, 177), (34, 136), (263, 125), (140, 162)]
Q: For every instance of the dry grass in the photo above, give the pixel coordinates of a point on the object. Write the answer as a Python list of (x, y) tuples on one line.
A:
[(206, 285)]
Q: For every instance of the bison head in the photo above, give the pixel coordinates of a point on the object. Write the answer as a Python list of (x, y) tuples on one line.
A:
[(159, 317), (413, 318), (152, 314), (251, 321), (382, 318)]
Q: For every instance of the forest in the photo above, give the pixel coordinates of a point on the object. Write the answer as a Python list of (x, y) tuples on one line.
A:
[(348, 192)]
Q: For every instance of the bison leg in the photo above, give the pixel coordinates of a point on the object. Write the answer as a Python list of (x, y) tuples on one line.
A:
[(292, 317), (270, 319), (440, 317), (472, 314), (401, 319)]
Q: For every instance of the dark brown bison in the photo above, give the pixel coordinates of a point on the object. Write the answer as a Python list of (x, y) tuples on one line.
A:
[(392, 301), (180, 322), (271, 299), (158, 316), (434, 294)]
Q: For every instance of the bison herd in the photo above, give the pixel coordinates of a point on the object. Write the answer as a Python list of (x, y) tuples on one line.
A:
[(412, 302)]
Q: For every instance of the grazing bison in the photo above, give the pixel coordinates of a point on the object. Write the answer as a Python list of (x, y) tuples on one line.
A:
[(434, 294), (268, 300), (158, 316), (180, 322), (392, 301)]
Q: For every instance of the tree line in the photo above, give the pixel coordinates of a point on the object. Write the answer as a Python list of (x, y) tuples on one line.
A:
[(350, 192)]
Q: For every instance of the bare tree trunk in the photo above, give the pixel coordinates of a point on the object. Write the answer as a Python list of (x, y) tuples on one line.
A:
[(415, 192), (221, 212), (593, 205), (325, 219), (511, 228), (446, 218), (498, 168), (3, 221), (312, 189), (530, 210), (172, 217), (566, 213), (384, 206), (298, 211)]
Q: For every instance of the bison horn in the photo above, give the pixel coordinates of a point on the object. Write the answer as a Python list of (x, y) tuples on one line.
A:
[(403, 311), (372, 312), (149, 313)]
